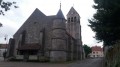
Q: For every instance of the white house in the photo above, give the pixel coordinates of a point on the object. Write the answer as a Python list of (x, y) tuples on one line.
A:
[(97, 51)]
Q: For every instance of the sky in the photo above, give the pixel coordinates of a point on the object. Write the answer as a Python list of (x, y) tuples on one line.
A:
[(14, 18)]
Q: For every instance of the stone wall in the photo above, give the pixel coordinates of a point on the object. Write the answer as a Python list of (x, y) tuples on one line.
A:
[(112, 56), (58, 51)]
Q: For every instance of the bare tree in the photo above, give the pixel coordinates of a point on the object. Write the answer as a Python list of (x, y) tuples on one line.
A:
[(5, 6), (0, 25)]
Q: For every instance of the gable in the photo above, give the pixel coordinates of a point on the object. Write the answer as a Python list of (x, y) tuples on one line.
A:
[(36, 18), (72, 12)]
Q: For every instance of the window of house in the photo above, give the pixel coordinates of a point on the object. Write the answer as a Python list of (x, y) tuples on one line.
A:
[(96, 52)]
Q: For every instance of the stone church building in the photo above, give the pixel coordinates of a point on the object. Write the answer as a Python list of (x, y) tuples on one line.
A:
[(48, 37)]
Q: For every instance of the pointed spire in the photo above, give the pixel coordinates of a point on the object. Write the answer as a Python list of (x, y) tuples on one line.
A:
[(73, 4), (60, 14), (60, 4)]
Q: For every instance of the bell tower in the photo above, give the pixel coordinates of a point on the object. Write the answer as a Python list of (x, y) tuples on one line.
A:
[(73, 23), (74, 29)]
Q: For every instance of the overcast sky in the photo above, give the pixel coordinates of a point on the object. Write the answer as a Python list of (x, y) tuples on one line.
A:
[(16, 17)]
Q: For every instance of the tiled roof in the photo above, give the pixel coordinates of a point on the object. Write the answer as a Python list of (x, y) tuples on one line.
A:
[(97, 48)]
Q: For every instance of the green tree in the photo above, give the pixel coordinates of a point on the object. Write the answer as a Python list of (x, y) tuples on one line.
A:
[(106, 21), (87, 50)]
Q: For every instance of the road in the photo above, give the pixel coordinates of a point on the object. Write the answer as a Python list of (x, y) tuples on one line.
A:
[(84, 63), (96, 62)]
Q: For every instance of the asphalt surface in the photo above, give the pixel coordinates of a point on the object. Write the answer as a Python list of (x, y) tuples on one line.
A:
[(97, 62)]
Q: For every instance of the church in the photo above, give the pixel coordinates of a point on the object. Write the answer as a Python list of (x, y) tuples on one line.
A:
[(48, 38)]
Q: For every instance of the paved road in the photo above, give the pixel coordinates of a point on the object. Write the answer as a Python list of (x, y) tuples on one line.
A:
[(85, 63), (97, 62)]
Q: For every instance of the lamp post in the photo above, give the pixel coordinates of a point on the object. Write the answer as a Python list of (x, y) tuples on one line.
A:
[(6, 37), (4, 54)]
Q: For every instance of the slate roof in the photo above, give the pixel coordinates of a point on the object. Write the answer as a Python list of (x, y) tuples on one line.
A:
[(72, 10), (60, 14), (35, 15), (37, 11)]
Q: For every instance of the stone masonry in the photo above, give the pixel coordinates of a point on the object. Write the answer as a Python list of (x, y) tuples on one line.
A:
[(50, 37)]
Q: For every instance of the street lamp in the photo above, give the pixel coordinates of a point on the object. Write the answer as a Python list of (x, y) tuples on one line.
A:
[(6, 37)]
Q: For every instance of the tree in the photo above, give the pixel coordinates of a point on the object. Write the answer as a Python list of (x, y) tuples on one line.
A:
[(87, 50), (5, 6), (106, 21)]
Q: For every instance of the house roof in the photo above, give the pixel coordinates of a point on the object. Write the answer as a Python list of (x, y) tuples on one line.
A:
[(97, 48)]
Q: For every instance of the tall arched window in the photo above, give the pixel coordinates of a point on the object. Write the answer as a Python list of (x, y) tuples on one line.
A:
[(71, 19), (23, 37), (42, 41), (75, 19), (68, 19)]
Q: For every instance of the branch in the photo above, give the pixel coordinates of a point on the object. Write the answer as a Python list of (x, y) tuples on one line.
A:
[(0, 25), (6, 6)]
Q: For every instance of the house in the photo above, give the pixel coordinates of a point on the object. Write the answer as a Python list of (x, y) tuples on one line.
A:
[(97, 51)]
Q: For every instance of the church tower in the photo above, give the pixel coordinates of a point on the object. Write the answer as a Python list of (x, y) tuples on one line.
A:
[(73, 23), (74, 29), (58, 52)]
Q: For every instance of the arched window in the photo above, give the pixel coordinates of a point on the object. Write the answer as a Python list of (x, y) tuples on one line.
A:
[(75, 19), (42, 41), (68, 19), (71, 19), (23, 37)]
